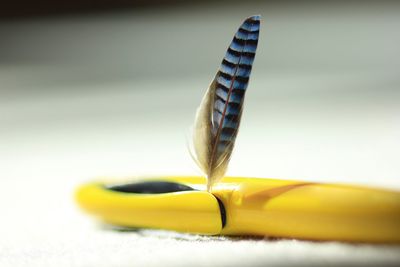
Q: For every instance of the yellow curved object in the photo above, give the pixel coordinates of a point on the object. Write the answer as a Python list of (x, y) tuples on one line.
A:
[(253, 206), (180, 211)]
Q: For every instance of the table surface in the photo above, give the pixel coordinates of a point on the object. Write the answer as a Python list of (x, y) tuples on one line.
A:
[(115, 95)]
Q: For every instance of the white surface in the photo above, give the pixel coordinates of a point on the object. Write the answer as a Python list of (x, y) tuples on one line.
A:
[(64, 123), (40, 225)]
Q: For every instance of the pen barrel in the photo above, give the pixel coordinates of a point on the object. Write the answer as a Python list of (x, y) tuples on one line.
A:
[(190, 211), (312, 211)]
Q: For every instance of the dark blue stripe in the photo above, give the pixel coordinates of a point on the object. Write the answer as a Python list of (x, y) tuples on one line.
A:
[(225, 137), (234, 60), (228, 76), (224, 82), (243, 48), (235, 53), (230, 109), (247, 36), (233, 66), (228, 70), (229, 123), (248, 60), (250, 48), (235, 71), (236, 46), (221, 93), (236, 84), (227, 133), (251, 25), (234, 97), (219, 105), (243, 72)]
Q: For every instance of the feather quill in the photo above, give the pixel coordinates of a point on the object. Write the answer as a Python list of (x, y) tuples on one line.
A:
[(218, 116)]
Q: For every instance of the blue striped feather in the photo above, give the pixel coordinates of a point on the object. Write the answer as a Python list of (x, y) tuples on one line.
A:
[(231, 83), (218, 117)]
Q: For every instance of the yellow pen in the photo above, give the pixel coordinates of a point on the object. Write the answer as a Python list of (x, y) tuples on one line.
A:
[(249, 206)]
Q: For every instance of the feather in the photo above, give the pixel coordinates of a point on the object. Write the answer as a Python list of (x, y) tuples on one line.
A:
[(218, 116)]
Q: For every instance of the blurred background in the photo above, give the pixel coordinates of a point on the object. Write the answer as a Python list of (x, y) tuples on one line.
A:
[(110, 88)]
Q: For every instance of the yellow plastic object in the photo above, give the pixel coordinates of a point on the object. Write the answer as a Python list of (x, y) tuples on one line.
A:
[(180, 211), (252, 206)]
